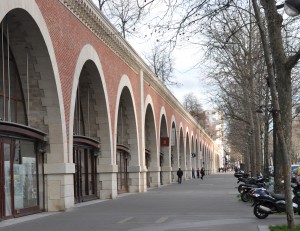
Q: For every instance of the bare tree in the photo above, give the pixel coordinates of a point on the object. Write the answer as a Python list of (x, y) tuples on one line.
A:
[(101, 4), (194, 107), (283, 61), (125, 15), (161, 62), (232, 42)]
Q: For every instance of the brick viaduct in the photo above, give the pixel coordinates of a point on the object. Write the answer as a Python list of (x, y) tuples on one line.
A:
[(82, 115)]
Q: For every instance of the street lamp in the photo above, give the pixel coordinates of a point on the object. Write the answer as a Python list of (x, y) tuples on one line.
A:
[(266, 161), (291, 7)]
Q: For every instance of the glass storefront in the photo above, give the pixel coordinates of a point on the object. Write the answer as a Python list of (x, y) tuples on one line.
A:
[(25, 175), (21, 162), (20, 176)]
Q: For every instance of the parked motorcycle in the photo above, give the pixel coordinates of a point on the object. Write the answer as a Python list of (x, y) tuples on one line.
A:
[(245, 194), (241, 173), (251, 182), (267, 202)]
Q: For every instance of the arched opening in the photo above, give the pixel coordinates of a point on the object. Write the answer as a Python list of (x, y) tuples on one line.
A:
[(28, 127), (188, 157), (164, 158), (198, 160), (174, 152), (193, 159), (127, 144), (150, 147), (182, 164), (89, 128)]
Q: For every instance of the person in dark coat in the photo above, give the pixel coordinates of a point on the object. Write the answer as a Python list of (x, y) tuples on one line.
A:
[(198, 173), (202, 172), (193, 173), (179, 174)]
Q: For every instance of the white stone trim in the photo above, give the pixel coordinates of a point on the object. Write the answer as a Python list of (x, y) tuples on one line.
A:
[(33, 10), (125, 82), (87, 53)]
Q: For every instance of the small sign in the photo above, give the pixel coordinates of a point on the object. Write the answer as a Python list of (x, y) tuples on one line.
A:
[(164, 141)]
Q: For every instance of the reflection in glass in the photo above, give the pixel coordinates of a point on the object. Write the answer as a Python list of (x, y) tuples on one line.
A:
[(25, 175), (12, 106), (7, 180)]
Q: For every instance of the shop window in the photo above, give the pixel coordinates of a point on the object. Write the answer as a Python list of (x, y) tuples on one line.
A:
[(25, 175)]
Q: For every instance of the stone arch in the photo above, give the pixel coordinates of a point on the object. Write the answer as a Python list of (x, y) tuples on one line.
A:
[(33, 51), (174, 148), (90, 121), (205, 156), (193, 154), (28, 34), (127, 145), (188, 155), (89, 65), (182, 160), (151, 147), (164, 150)]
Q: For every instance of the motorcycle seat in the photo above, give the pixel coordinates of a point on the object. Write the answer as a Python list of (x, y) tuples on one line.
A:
[(277, 196)]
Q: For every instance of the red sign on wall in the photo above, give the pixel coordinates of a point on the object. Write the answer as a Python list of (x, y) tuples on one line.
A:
[(164, 141)]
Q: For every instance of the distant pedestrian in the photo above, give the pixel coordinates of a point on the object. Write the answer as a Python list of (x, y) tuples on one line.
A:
[(179, 174), (198, 173), (193, 173), (202, 172)]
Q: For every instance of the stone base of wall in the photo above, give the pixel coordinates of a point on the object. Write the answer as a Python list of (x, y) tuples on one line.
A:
[(59, 192), (107, 185)]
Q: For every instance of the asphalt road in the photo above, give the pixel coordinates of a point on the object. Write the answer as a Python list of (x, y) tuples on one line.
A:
[(209, 205)]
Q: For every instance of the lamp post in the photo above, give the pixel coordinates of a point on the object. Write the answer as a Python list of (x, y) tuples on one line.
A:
[(266, 156), (291, 7)]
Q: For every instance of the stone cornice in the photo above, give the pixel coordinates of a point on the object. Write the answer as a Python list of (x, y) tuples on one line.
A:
[(88, 13)]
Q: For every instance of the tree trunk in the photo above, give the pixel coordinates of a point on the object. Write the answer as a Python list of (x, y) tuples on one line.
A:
[(271, 14)]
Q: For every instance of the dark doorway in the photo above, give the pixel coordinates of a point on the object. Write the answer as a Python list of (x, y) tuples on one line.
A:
[(147, 159), (85, 174), (122, 162)]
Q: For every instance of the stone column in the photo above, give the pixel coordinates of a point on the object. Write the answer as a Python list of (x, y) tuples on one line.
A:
[(107, 181), (136, 179), (154, 177), (59, 182), (167, 177)]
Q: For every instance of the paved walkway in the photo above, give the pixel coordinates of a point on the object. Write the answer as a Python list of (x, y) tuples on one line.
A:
[(209, 205)]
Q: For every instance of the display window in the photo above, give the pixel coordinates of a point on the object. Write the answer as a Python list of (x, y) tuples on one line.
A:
[(20, 177)]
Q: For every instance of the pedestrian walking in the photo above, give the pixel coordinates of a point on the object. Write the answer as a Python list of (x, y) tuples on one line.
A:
[(202, 172), (179, 174), (198, 173), (193, 173)]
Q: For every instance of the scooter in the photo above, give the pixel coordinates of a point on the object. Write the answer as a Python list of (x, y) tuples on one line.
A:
[(241, 173), (267, 202), (252, 182), (245, 194)]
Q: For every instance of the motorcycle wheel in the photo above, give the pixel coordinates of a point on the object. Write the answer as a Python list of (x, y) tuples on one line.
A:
[(240, 188), (259, 214), (245, 196)]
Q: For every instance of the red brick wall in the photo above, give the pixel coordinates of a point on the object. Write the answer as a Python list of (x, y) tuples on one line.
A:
[(69, 36)]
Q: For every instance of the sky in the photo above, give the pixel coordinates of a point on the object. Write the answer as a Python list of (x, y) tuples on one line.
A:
[(191, 80)]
